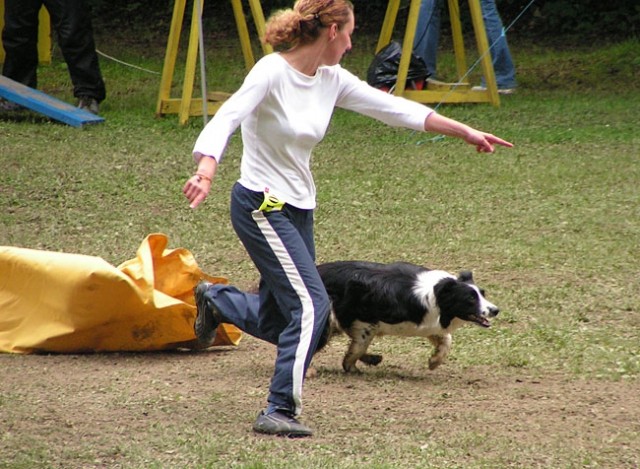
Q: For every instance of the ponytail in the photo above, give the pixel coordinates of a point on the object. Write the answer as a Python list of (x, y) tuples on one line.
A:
[(302, 23)]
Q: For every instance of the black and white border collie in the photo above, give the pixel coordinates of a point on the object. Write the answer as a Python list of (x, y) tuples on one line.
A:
[(371, 299)]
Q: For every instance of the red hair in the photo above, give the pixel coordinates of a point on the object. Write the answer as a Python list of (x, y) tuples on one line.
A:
[(302, 23)]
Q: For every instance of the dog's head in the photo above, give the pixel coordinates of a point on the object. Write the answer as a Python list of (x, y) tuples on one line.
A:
[(461, 298)]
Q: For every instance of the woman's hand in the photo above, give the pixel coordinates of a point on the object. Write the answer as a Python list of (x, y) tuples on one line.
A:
[(485, 142), (198, 186), (196, 189)]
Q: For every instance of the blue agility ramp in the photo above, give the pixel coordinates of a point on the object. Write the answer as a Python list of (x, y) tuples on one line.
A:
[(44, 104)]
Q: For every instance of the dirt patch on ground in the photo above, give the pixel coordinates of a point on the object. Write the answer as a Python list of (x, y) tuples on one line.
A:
[(74, 408)]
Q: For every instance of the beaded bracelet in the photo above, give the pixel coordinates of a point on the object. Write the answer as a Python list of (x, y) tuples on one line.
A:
[(202, 176)]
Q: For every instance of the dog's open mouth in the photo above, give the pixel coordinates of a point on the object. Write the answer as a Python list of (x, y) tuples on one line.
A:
[(480, 321)]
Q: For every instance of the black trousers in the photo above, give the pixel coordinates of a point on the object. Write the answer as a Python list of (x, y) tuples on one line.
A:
[(71, 20)]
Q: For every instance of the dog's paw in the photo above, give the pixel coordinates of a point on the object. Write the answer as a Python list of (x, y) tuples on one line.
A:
[(349, 367), (434, 362), (371, 360)]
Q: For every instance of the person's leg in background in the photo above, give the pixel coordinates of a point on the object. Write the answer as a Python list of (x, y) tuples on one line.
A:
[(20, 41), (500, 54), (71, 20), (425, 43)]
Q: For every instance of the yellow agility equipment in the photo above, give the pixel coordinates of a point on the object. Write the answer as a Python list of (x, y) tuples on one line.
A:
[(53, 302), (439, 92), (186, 105)]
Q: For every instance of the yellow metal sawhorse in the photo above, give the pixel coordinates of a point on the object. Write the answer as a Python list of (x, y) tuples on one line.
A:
[(44, 35), (186, 105), (438, 92)]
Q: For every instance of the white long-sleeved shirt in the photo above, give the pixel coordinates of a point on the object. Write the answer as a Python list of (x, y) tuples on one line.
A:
[(284, 113)]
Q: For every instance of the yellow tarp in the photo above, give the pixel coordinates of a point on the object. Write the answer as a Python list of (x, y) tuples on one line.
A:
[(72, 303)]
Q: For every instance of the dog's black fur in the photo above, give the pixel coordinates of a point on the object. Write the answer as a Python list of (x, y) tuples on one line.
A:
[(370, 299)]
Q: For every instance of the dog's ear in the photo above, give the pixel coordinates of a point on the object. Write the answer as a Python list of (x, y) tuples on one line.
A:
[(466, 276)]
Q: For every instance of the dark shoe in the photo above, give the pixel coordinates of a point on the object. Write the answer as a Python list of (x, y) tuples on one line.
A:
[(87, 103), (281, 424), (9, 106), (208, 318)]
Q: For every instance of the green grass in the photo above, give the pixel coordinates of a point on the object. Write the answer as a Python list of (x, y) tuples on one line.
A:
[(550, 228)]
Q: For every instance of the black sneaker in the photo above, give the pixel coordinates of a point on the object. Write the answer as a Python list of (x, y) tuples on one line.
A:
[(280, 424), (90, 104), (9, 106), (208, 317)]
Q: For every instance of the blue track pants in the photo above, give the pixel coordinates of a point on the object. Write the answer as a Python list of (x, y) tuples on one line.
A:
[(292, 306)]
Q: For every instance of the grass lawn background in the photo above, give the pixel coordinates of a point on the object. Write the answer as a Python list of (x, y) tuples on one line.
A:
[(550, 228)]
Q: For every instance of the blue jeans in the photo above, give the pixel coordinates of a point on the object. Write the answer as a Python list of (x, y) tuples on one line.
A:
[(425, 44), (292, 305)]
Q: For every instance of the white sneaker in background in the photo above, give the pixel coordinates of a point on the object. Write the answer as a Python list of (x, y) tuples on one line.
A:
[(500, 90)]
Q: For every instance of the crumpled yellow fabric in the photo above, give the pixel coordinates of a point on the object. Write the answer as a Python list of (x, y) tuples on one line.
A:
[(71, 303)]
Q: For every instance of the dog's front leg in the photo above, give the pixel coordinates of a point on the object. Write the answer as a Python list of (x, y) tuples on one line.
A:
[(442, 346)]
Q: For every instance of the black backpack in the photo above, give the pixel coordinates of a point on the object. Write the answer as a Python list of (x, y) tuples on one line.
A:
[(383, 71)]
